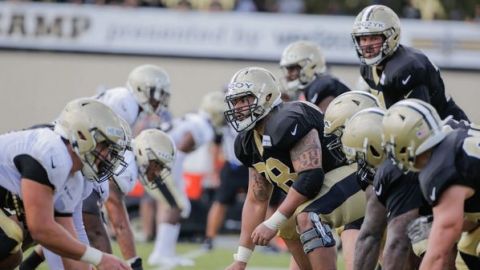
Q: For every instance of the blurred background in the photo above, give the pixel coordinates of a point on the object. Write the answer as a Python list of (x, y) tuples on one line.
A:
[(54, 51)]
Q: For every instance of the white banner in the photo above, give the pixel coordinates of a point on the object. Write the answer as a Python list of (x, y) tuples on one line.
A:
[(252, 36)]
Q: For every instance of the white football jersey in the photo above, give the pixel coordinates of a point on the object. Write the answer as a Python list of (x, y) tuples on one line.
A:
[(44, 145), (76, 189), (195, 123), (122, 102)]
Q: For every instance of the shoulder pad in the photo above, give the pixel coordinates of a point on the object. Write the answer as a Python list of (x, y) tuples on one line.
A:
[(291, 122)]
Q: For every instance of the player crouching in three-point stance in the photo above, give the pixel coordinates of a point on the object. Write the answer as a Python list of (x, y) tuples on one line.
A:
[(37, 165), (282, 144), (449, 168)]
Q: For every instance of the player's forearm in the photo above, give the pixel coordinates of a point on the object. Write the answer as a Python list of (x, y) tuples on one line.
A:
[(54, 237), (118, 217), (367, 250), (291, 202), (367, 247), (253, 214), (440, 242)]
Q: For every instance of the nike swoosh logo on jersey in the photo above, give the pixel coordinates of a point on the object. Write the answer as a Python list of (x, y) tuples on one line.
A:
[(408, 94), (53, 165), (379, 191), (294, 131), (406, 79), (433, 196)]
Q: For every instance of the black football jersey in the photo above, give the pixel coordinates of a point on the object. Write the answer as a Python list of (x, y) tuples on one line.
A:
[(269, 154), (323, 86), (408, 73), (398, 192), (454, 161)]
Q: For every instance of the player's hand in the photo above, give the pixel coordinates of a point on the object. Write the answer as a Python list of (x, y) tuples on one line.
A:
[(236, 265), (110, 262), (262, 235)]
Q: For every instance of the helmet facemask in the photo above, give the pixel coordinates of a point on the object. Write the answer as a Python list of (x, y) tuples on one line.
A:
[(376, 20), (106, 159), (150, 86), (334, 144), (305, 56), (154, 172), (245, 117), (154, 155), (251, 95)]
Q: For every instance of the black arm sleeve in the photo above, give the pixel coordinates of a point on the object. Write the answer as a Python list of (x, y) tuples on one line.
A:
[(30, 168), (309, 182)]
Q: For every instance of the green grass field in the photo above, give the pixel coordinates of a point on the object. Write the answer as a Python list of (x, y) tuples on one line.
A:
[(217, 259)]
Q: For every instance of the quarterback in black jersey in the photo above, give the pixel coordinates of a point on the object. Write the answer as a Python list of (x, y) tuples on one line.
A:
[(304, 67), (282, 144), (397, 71), (448, 164)]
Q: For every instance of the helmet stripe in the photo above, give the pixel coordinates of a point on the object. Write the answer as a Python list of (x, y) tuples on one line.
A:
[(424, 111), (368, 12)]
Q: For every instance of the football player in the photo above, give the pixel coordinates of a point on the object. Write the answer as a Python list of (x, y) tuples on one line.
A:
[(147, 90), (396, 70), (87, 137), (282, 144), (338, 112), (306, 75), (448, 167), (188, 133), (393, 197)]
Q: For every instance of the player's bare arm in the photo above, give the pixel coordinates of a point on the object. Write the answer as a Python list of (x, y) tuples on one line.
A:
[(67, 223), (398, 245), (447, 226), (255, 207), (118, 216), (367, 247), (253, 213)]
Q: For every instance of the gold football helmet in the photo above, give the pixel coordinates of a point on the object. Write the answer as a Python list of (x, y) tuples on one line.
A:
[(251, 81), (362, 141), (308, 57), (338, 112), (213, 104), (411, 127), (154, 154), (91, 127), (150, 86), (377, 20)]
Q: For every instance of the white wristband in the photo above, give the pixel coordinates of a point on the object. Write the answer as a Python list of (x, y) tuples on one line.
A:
[(243, 254), (275, 221), (92, 256)]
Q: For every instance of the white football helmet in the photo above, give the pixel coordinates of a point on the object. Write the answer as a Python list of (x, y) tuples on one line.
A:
[(88, 124), (362, 141), (411, 127), (258, 83), (150, 86), (308, 56), (338, 112), (154, 154), (377, 20), (213, 104)]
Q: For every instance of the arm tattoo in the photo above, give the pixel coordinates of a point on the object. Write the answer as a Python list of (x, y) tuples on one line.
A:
[(260, 187), (307, 152)]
